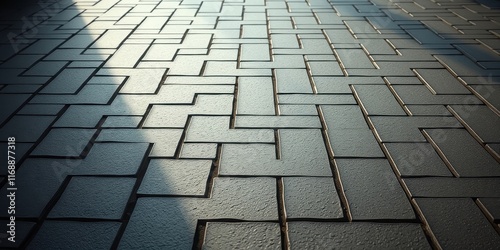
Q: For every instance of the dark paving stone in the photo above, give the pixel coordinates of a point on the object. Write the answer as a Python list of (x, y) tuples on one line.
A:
[(356, 235), (372, 190), (453, 187), (75, 235), (458, 223)]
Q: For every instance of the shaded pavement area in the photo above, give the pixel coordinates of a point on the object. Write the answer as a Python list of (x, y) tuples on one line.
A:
[(250, 124)]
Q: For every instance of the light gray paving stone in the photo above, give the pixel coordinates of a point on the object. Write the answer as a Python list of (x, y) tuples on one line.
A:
[(255, 52), (199, 150), (327, 68), (122, 122), (176, 177), (75, 234), (257, 235), (311, 197), (354, 58), (356, 235), (298, 110), (457, 223), (64, 142), (441, 187), (283, 41), (254, 31), (464, 153), (94, 197), (406, 128), (492, 205), (441, 82), (371, 96), (302, 153), (293, 81), (165, 140), (126, 56), (416, 159), (481, 120), (315, 99), (216, 129), (255, 96), (112, 159), (372, 190), (176, 116), (155, 221), (26, 128), (277, 122)]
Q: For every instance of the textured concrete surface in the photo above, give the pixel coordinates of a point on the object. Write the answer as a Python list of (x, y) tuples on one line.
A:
[(256, 124)]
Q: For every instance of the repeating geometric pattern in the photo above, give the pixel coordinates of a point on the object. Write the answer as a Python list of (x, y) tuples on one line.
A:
[(261, 124)]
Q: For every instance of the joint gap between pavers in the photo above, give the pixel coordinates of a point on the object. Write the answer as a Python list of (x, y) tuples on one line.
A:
[(280, 189), (333, 166), (309, 75), (132, 201), (45, 212), (178, 149), (397, 97), (275, 92), (214, 171), (199, 235), (429, 235), (440, 153), (232, 119), (487, 214)]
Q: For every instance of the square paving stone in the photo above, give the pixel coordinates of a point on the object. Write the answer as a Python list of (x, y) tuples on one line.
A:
[(311, 197), (75, 235), (176, 177), (356, 235), (372, 190), (94, 197), (242, 235)]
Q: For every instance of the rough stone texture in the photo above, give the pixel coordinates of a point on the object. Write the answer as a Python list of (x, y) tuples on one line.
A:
[(249, 235), (164, 117), (356, 235)]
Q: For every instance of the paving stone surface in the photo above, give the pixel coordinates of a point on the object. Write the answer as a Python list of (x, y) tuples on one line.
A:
[(277, 124)]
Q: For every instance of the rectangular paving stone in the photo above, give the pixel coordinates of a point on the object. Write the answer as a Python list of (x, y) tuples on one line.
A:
[(315, 99), (94, 197), (441, 81), (465, 154), (302, 152), (199, 150), (325, 68), (255, 96), (378, 100), (311, 197), (372, 190), (64, 142), (407, 128), (26, 128), (362, 235), (277, 122), (255, 52), (283, 41), (457, 223), (75, 234), (416, 159), (354, 58), (419, 94), (224, 235), (176, 177), (293, 81), (216, 129), (441, 187), (127, 56)]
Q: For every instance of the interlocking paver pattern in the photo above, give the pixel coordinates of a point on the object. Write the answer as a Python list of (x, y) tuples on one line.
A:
[(277, 124)]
